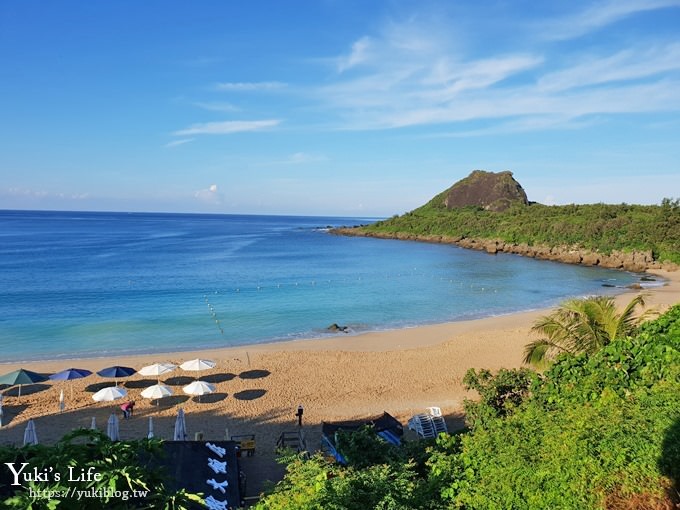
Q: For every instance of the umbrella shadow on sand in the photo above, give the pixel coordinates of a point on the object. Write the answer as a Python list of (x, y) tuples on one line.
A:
[(254, 374), (171, 401), (26, 389), (211, 398), (249, 394), (94, 388), (178, 380), (142, 383), (11, 412), (218, 378)]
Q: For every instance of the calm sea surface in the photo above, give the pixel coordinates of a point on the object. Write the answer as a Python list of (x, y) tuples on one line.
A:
[(97, 284)]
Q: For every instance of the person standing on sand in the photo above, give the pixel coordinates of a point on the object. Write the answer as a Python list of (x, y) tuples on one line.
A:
[(127, 408)]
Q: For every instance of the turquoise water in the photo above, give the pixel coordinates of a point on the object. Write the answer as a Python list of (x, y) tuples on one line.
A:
[(97, 284)]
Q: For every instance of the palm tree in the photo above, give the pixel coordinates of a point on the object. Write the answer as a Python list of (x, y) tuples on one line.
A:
[(582, 326)]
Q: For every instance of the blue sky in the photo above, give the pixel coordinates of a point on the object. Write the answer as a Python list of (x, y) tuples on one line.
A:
[(335, 107)]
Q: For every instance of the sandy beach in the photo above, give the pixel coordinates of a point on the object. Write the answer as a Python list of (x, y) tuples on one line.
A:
[(259, 387)]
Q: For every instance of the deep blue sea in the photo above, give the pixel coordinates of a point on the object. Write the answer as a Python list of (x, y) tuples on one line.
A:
[(97, 284)]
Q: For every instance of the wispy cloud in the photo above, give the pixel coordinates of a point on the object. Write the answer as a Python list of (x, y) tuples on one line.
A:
[(600, 15), (216, 106), (629, 64), (182, 141), (227, 127), (419, 77), (43, 194), (299, 158), (203, 61), (359, 54), (250, 86)]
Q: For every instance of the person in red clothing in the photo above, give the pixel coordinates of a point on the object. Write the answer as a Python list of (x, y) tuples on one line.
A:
[(127, 408)]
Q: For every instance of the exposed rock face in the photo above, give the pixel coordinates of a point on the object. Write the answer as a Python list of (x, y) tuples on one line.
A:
[(492, 191), (636, 261)]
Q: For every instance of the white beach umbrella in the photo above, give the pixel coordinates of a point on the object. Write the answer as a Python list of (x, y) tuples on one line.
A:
[(30, 437), (157, 369), (61, 401), (112, 428), (196, 365), (199, 388), (109, 394), (180, 427), (150, 434), (156, 391), (93, 425)]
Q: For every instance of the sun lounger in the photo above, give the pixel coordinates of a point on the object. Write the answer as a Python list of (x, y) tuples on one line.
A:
[(428, 425)]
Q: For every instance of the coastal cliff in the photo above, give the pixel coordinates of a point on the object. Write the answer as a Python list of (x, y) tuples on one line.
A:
[(636, 261), (490, 212)]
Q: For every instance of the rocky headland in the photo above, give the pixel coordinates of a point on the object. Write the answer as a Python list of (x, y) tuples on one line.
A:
[(488, 193)]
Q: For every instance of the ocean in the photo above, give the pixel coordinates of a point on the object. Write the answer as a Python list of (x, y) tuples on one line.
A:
[(90, 284)]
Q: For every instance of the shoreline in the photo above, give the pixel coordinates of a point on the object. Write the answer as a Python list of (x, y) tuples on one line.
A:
[(381, 340), (338, 340), (635, 261), (260, 386)]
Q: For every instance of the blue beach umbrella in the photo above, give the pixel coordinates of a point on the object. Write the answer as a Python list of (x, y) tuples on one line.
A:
[(116, 372), (21, 377), (69, 374)]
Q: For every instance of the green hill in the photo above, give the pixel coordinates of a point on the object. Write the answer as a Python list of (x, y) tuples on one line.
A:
[(633, 237)]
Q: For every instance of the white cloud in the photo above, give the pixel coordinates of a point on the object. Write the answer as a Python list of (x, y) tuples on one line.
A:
[(304, 157), (209, 196), (44, 195), (358, 55), (629, 64), (600, 15), (250, 86), (182, 141), (216, 106), (410, 75), (227, 127)]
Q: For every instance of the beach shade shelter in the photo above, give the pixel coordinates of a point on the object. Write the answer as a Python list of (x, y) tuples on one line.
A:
[(69, 374), (180, 433), (150, 434), (109, 394), (157, 369), (30, 437), (22, 377), (116, 372), (196, 365), (199, 388), (157, 391), (112, 429)]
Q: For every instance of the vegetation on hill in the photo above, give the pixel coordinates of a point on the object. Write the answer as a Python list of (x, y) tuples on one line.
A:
[(599, 430), (600, 228)]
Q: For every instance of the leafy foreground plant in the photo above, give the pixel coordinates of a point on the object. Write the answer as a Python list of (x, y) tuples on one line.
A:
[(598, 431), (85, 470), (582, 326)]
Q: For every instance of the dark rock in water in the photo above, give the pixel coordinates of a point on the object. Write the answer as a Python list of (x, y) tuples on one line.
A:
[(635, 286), (489, 190), (336, 328), (608, 285), (647, 279)]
